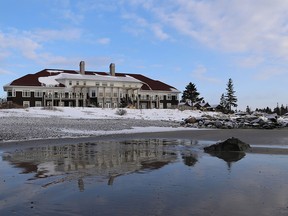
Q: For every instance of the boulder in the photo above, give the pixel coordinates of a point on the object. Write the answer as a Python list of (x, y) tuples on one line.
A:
[(190, 120), (229, 156), (229, 145)]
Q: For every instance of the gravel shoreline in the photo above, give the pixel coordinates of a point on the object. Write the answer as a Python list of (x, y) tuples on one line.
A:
[(18, 132), (27, 128)]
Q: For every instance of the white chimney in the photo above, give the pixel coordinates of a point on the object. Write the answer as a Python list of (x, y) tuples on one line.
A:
[(82, 67), (112, 69)]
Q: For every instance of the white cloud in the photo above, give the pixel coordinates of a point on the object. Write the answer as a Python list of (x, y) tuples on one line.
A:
[(4, 71), (200, 73), (159, 33), (11, 42), (138, 25), (256, 27), (30, 44), (103, 41), (269, 73), (42, 35), (250, 61)]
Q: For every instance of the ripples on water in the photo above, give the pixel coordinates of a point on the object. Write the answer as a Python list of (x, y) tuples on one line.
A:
[(141, 177)]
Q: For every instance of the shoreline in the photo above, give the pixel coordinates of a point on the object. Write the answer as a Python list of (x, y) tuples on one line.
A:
[(254, 137)]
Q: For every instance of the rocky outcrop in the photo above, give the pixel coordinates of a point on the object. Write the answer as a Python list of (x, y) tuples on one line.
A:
[(235, 121), (230, 145), (230, 150)]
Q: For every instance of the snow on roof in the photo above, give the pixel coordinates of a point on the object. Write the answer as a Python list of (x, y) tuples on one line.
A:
[(49, 80), (97, 77), (55, 71)]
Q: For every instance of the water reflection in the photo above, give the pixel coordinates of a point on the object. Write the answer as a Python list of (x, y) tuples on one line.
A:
[(166, 177), (109, 159)]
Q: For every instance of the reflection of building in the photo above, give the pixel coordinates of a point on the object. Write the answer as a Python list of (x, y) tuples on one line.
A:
[(99, 159), (51, 87)]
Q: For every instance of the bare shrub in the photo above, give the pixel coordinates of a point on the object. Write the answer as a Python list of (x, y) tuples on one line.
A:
[(121, 112), (52, 108), (9, 105)]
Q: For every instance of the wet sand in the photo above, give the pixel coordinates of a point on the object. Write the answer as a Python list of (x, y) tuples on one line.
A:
[(145, 176), (274, 141)]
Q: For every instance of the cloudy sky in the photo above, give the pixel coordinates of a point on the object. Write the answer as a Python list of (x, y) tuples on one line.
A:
[(175, 41)]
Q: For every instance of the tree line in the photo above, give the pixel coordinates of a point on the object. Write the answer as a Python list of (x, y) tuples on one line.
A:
[(228, 99)]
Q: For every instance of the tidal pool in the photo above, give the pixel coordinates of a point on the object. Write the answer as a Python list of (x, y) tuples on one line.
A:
[(141, 177)]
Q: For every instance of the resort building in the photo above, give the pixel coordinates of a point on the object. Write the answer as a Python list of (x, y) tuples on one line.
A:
[(54, 87)]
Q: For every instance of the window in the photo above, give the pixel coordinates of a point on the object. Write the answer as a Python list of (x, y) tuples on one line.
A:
[(38, 103), (93, 93), (26, 93), (70, 82), (38, 94), (26, 104), (9, 93), (111, 84), (84, 83), (100, 94), (77, 82), (115, 94), (169, 97), (97, 84), (56, 95), (104, 84)]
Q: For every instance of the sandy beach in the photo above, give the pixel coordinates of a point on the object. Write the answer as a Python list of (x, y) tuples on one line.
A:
[(124, 172), (261, 140)]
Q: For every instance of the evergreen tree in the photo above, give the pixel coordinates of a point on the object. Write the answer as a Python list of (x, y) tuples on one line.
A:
[(282, 110), (230, 97), (191, 93), (223, 102), (277, 110), (248, 110)]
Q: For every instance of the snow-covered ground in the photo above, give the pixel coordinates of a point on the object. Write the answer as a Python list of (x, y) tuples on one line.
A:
[(38, 123), (99, 113)]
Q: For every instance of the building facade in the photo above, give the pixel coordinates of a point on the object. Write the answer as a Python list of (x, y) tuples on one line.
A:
[(51, 87)]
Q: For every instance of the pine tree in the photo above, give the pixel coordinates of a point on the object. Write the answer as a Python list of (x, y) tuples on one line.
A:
[(248, 109), (191, 93), (223, 102), (230, 97)]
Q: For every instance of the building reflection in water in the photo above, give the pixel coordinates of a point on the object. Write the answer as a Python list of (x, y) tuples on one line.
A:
[(105, 159)]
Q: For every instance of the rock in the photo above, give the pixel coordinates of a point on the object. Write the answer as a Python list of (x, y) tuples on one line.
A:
[(218, 124), (229, 156), (190, 120), (229, 145)]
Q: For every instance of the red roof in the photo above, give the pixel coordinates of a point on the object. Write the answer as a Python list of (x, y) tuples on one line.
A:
[(32, 79)]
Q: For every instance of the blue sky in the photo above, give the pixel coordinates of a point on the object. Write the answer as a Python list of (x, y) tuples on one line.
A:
[(175, 41)]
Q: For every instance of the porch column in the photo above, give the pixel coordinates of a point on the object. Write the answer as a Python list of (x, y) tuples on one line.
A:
[(119, 99), (84, 92), (137, 97)]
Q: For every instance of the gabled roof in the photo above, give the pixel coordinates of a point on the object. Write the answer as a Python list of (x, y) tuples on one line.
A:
[(33, 79)]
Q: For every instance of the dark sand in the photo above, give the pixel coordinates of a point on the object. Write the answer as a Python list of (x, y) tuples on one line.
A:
[(262, 141), (174, 186)]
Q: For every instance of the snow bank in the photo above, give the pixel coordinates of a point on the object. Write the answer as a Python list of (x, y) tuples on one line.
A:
[(99, 113)]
